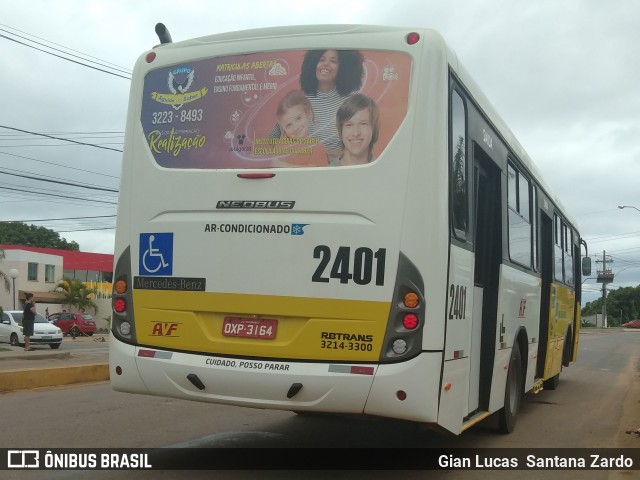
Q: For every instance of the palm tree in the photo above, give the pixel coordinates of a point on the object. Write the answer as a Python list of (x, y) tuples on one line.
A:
[(4, 276), (76, 294)]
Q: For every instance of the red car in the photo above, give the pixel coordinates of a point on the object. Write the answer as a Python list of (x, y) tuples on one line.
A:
[(74, 323), (632, 324)]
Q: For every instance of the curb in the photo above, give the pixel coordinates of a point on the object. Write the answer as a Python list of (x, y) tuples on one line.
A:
[(50, 377), (37, 356)]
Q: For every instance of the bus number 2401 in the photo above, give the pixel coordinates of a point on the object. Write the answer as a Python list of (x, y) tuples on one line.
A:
[(366, 266), (457, 302)]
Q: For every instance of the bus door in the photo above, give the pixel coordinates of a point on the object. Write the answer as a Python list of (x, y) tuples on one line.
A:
[(546, 270), (488, 254)]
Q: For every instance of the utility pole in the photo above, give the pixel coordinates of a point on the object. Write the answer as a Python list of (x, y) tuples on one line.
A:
[(605, 276)]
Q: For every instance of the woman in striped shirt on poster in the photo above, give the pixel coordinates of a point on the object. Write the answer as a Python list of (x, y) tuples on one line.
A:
[(327, 78)]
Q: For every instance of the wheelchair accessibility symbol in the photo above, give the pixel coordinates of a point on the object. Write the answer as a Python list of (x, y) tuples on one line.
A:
[(156, 254)]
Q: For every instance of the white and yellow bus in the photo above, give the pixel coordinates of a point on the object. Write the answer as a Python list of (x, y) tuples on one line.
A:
[(396, 254)]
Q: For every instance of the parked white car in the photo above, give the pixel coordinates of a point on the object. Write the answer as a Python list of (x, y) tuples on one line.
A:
[(43, 331)]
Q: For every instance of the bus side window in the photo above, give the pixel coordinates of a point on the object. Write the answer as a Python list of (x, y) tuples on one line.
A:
[(520, 231), (458, 167), (558, 253), (568, 255)]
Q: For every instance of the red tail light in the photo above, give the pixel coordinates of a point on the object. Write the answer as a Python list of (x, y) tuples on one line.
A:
[(410, 321), (119, 305), (413, 38)]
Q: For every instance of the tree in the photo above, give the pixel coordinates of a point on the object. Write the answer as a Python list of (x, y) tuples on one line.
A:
[(623, 304), (3, 276), (18, 233), (77, 294)]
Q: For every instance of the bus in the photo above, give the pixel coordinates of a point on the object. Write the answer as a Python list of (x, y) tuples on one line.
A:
[(333, 218)]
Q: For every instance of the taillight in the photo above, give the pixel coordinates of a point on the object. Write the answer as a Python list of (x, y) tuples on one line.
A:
[(403, 337), (411, 299), (410, 321), (122, 314), (413, 38), (120, 287), (119, 305)]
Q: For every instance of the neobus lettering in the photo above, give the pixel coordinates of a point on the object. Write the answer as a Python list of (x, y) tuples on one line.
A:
[(259, 204)]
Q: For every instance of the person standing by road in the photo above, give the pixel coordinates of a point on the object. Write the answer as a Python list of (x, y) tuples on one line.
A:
[(28, 319)]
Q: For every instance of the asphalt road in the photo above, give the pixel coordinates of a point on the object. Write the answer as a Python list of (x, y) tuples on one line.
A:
[(595, 404)]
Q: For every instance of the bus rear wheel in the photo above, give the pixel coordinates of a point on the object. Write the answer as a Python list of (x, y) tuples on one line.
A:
[(552, 383), (512, 394)]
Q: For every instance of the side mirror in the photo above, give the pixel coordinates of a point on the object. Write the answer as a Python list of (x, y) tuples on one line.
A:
[(586, 266)]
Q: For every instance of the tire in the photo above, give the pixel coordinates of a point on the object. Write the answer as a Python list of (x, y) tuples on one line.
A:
[(75, 332), (13, 340), (512, 394), (568, 346), (55, 346)]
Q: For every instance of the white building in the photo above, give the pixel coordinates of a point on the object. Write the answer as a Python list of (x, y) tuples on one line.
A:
[(38, 271)]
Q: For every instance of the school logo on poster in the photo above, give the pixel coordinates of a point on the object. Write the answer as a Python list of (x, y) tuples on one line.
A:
[(179, 83)]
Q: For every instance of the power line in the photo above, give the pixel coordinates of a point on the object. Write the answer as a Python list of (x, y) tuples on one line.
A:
[(603, 238), (88, 57), (86, 229), (60, 182), (60, 138), (58, 165), (62, 57), (56, 219), (58, 195)]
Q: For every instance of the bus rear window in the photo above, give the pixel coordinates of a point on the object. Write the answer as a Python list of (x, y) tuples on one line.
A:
[(300, 108)]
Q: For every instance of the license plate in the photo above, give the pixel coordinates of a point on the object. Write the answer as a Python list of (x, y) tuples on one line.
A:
[(45, 337), (264, 328)]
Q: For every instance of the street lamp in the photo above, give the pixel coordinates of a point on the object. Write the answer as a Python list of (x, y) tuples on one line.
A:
[(627, 206), (13, 273)]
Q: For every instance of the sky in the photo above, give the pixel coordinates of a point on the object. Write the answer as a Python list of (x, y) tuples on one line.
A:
[(563, 75)]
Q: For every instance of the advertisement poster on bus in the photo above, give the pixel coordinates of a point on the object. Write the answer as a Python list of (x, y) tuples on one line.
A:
[(300, 108)]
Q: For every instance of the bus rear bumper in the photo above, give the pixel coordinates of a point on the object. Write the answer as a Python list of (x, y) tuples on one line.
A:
[(248, 383), (314, 387)]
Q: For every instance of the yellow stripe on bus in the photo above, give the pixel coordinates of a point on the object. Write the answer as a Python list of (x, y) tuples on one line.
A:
[(561, 313), (307, 328)]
